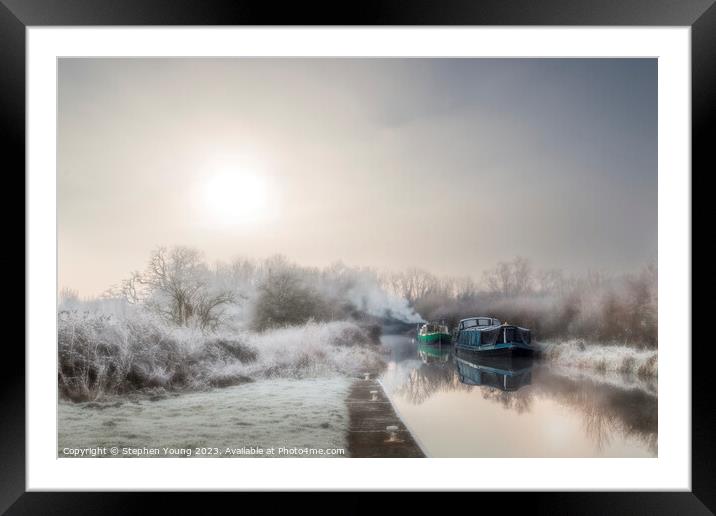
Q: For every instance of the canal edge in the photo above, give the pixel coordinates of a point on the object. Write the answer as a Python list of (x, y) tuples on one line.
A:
[(375, 430), (402, 420)]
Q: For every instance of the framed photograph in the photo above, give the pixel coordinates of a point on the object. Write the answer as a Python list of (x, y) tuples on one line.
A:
[(423, 248)]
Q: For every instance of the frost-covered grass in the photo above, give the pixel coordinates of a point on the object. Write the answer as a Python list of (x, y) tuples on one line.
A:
[(601, 357), (103, 355), (267, 413), (314, 350)]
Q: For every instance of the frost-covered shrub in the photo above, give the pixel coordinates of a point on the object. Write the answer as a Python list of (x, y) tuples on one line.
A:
[(648, 368), (225, 350), (315, 349), (93, 355), (285, 299), (101, 355)]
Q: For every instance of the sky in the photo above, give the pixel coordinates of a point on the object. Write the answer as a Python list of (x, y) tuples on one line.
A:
[(449, 165)]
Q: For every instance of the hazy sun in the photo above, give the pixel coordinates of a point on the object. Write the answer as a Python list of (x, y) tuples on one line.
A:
[(237, 197)]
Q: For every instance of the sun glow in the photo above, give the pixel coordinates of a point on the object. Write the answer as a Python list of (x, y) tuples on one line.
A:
[(237, 198)]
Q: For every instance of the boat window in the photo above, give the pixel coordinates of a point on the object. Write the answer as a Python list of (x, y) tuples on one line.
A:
[(484, 322), (469, 324)]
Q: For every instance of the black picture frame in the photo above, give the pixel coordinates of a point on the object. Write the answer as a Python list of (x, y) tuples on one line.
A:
[(16, 15)]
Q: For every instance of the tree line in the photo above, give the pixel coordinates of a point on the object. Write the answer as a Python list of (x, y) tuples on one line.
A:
[(181, 287)]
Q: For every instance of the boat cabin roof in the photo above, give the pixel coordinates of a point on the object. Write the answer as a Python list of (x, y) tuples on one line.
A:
[(479, 321), (433, 327)]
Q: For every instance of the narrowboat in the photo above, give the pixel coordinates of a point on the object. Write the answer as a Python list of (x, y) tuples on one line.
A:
[(434, 333), (490, 337)]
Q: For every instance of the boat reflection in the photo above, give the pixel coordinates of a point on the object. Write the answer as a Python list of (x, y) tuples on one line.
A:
[(507, 374), (434, 353)]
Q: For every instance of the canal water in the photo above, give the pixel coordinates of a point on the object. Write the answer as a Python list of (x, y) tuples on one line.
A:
[(460, 405)]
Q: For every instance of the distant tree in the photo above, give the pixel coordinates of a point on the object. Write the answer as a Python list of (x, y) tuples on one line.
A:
[(641, 305), (613, 324), (412, 285), (68, 299), (284, 300), (465, 289), (510, 278), (551, 281), (130, 289), (68, 294)]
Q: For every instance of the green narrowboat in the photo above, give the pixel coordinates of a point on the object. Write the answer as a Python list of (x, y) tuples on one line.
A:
[(434, 333)]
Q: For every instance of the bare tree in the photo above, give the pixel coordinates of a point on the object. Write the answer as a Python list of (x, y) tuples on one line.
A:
[(131, 288), (412, 285), (465, 288), (208, 308), (510, 278), (176, 285), (551, 281)]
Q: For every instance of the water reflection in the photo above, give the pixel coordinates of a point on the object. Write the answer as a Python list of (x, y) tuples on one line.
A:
[(435, 373), (502, 373), (434, 353), (614, 415)]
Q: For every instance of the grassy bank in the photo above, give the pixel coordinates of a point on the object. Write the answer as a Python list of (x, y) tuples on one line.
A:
[(615, 358)]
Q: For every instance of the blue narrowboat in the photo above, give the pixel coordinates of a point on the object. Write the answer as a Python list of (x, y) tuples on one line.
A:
[(490, 337)]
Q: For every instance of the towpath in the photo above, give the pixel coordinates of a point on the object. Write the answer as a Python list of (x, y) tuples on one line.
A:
[(375, 430)]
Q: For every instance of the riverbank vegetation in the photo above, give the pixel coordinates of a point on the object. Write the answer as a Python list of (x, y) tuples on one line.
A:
[(184, 324)]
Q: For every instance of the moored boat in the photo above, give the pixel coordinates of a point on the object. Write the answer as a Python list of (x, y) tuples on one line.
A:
[(434, 333), (489, 336)]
